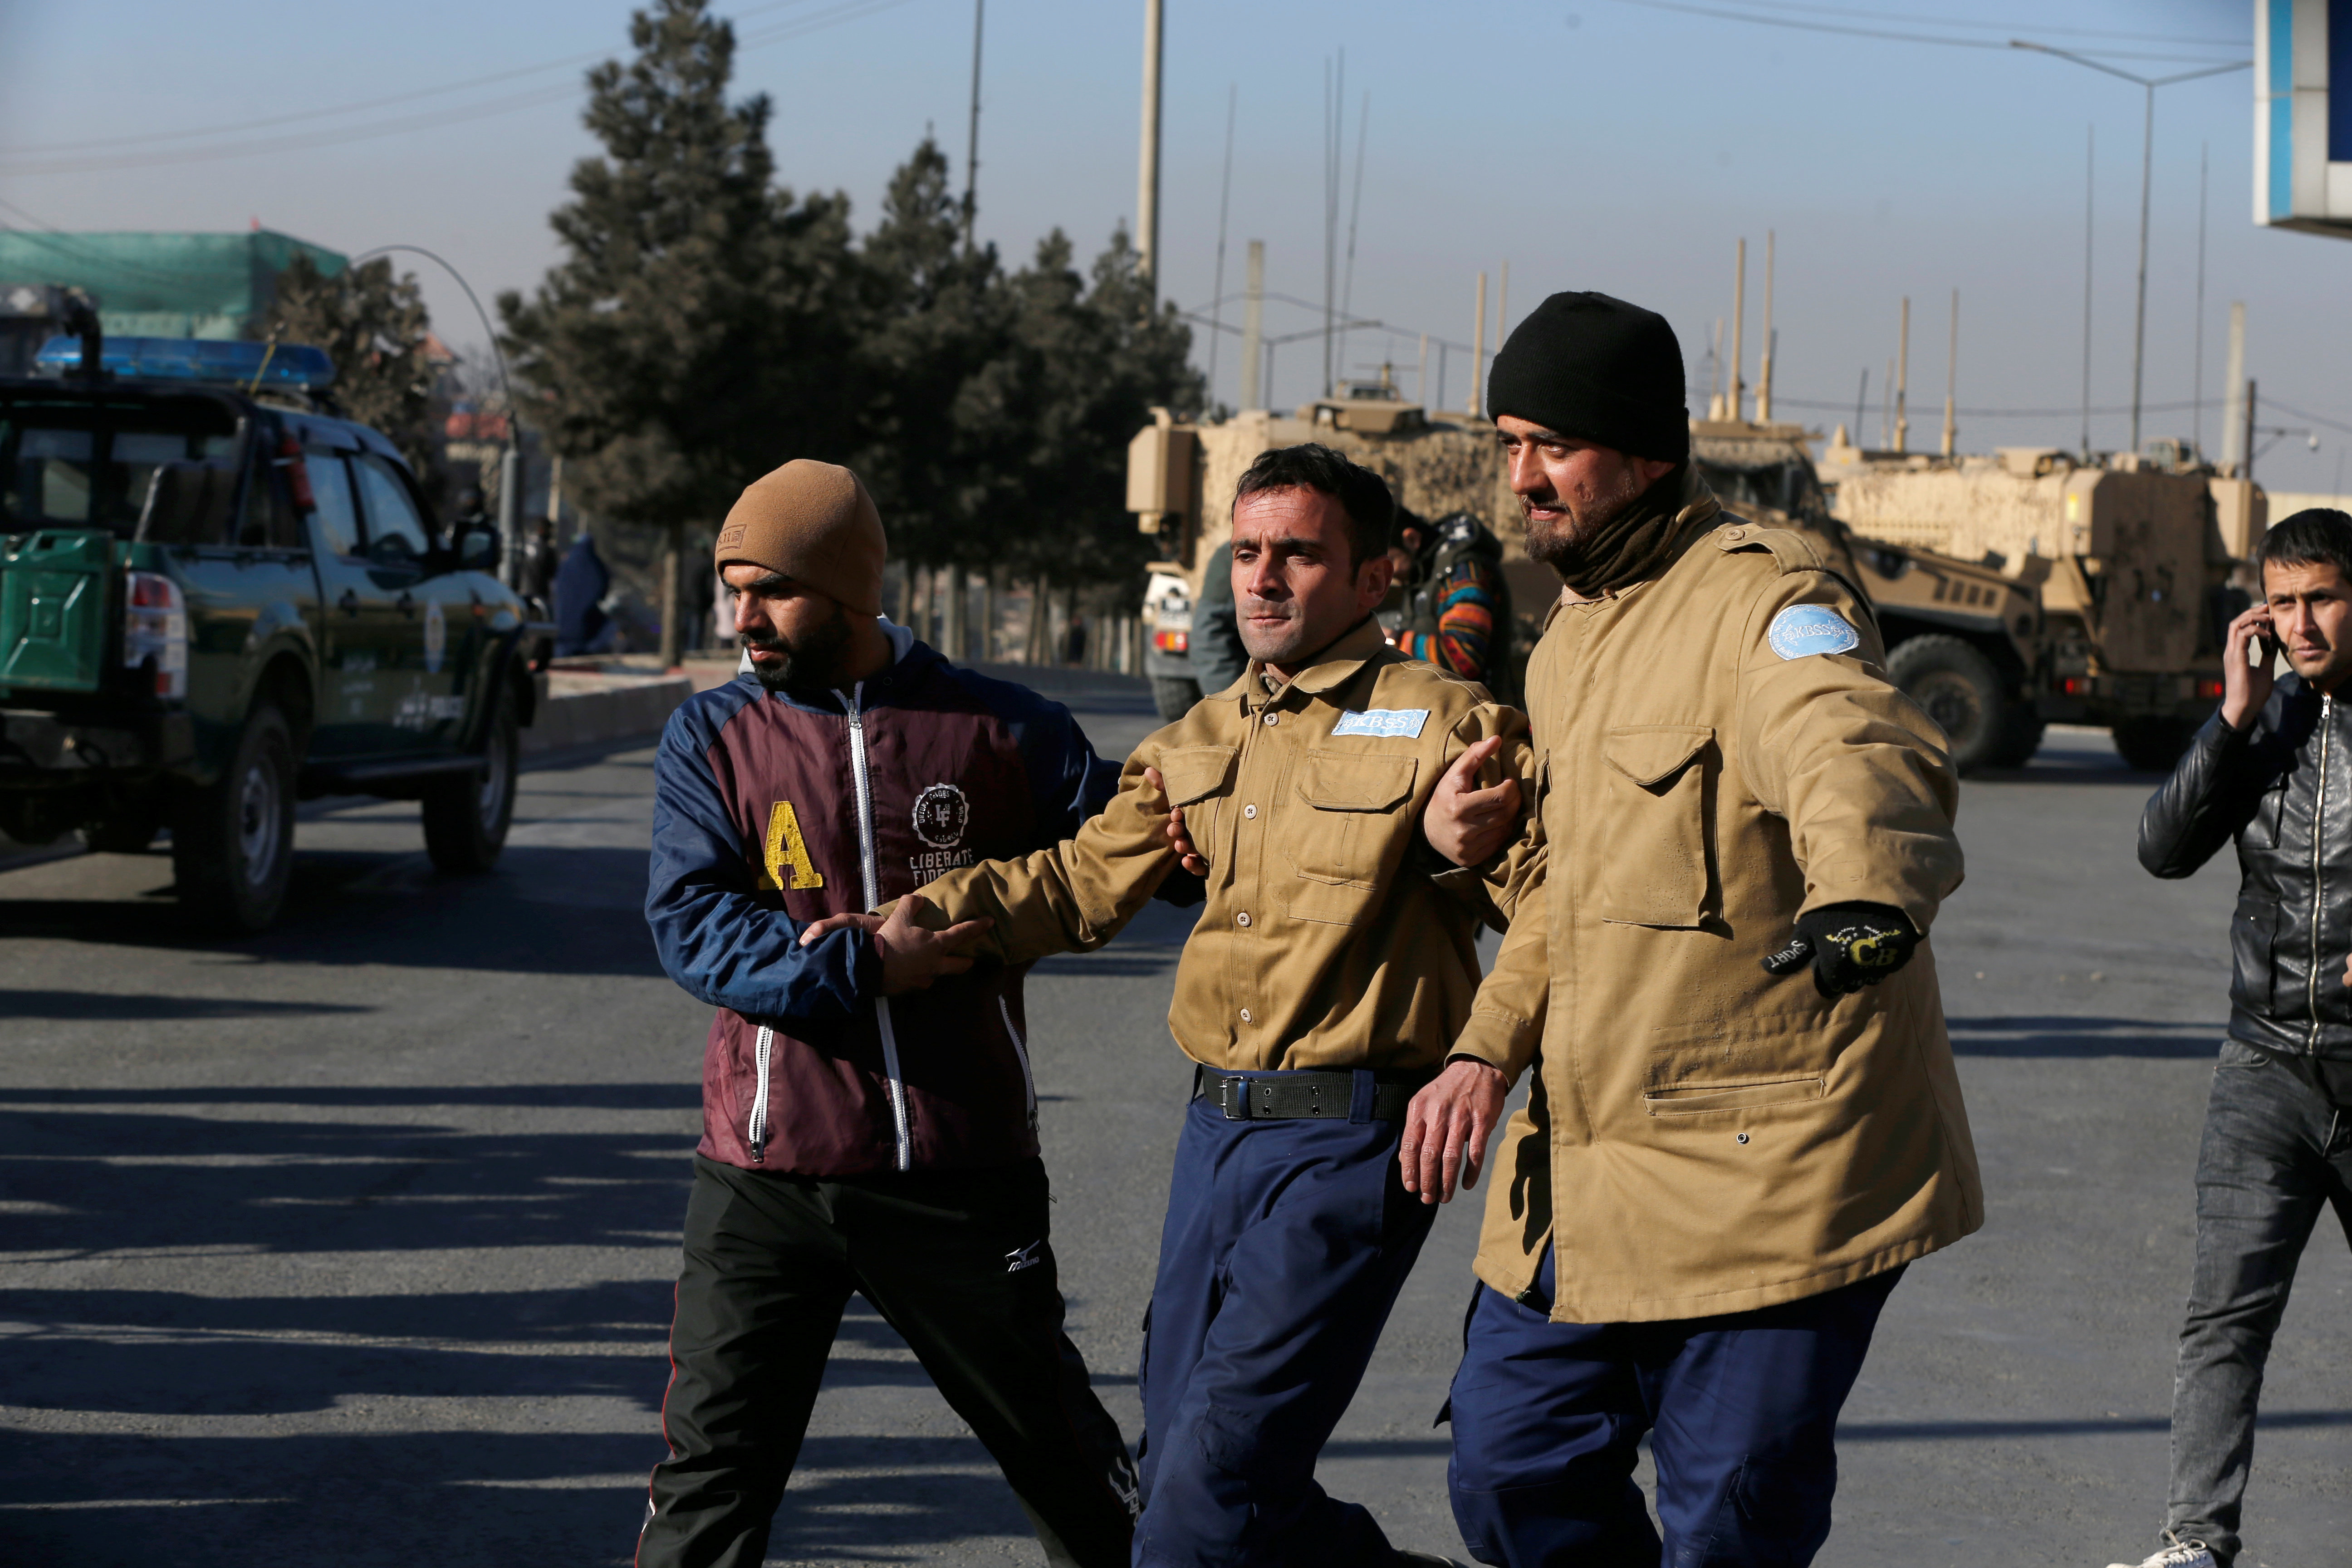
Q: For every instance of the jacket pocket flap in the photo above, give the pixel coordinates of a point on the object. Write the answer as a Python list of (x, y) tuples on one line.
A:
[(1351, 781), (1648, 752), (1685, 1100), (1194, 772)]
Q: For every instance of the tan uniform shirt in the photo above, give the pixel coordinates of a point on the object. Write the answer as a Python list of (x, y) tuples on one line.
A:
[(1703, 1136), (1327, 940)]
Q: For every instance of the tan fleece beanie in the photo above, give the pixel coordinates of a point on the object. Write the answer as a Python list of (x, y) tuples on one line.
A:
[(814, 523)]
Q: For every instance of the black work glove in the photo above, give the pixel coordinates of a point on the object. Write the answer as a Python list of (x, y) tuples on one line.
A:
[(1850, 946)]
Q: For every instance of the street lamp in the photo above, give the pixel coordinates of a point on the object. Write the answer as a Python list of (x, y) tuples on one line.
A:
[(2146, 157)]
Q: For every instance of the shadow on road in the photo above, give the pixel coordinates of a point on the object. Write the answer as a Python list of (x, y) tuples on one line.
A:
[(2069, 1035)]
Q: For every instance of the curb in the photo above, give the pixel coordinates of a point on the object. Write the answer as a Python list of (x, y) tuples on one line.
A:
[(585, 718)]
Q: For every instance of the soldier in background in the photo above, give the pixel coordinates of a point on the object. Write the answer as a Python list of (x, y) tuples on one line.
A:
[(1218, 657), (1456, 609)]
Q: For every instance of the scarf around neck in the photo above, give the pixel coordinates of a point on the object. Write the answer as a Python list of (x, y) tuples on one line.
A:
[(1645, 539)]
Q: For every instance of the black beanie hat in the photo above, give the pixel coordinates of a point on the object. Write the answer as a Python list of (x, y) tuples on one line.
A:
[(1591, 366)]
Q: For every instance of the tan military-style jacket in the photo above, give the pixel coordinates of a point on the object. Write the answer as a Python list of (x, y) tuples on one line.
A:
[(1719, 750), (1332, 936)]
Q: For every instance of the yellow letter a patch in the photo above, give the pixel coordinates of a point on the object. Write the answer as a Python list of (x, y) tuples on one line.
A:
[(786, 852)]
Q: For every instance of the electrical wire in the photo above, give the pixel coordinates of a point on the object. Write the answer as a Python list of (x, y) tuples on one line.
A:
[(850, 11), (2003, 27), (1763, 21)]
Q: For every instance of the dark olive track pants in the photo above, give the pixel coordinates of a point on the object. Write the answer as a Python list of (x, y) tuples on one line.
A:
[(959, 1263)]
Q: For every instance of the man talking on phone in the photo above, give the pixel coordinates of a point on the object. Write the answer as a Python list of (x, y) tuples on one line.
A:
[(2272, 770)]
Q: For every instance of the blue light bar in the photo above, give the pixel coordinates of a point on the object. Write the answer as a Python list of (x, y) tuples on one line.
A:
[(220, 362)]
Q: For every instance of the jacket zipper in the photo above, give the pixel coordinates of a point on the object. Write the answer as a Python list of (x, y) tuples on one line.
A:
[(757, 1132), (1021, 1049), (2319, 815), (873, 876)]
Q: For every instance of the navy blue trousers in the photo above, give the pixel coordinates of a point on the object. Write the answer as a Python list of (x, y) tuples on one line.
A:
[(1741, 1411), (1285, 1246)]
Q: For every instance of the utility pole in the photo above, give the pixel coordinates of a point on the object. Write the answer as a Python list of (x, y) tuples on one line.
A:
[(2197, 402), (1739, 408), (1764, 374), (1253, 325), (2089, 176), (1903, 379), (1147, 177), (2237, 448), (1952, 380), (1478, 347), (1503, 308), (972, 143), (1225, 204), (2147, 161)]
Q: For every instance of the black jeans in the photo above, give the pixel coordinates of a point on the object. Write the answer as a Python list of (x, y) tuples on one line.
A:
[(959, 1263), (2274, 1155)]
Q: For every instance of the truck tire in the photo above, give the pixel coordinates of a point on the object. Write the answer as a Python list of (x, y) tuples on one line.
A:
[(233, 840), (466, 815), (2021, 736), (1961, 691), (2152, 743), (1174, 696)]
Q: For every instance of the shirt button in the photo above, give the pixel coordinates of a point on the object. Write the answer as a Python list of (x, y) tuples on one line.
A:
[(1245, 1017), (1250, 812), (1242, 918), (1274, 717)]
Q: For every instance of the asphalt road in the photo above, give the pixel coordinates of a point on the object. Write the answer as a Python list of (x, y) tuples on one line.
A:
[(354, 1242)]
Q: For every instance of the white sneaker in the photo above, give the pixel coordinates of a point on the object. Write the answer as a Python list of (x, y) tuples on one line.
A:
[(2179, 1553)]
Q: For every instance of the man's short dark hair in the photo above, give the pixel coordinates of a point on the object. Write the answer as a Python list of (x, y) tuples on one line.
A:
[(1362, 494), (2319, 536)]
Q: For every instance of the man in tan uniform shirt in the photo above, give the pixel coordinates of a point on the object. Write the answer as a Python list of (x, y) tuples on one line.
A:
[(1724, 1163), (1331, 967)]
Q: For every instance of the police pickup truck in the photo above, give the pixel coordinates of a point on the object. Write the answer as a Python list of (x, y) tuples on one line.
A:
[(217, 599)]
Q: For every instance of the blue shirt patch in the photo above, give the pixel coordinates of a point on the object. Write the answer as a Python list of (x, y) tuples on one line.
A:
[(1390, 723), (1802, 629)]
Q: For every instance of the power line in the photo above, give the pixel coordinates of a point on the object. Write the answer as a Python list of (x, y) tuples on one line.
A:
[(1856, 32), (850, 11), (1981, 25)]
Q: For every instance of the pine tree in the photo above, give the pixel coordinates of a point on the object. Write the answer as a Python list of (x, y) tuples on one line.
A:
[(376, 329), (690, 340)]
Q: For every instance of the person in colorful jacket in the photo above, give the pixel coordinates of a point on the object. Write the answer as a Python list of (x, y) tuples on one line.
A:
[(859, 1135), (1455, 609)]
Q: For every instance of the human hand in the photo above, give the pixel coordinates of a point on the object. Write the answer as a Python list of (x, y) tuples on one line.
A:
[(912, 957), (1850, 946), (2246, 665), (1446, 1128), (1465, 824), (1188, 854)]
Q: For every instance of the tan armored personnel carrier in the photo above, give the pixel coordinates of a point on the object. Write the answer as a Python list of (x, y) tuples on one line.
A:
[(2137, 564)]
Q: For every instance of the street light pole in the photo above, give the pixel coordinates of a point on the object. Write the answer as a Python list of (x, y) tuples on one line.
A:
[(2146, 164)]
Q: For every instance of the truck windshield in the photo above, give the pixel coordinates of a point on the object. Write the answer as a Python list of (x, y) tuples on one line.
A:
[(84, 464)]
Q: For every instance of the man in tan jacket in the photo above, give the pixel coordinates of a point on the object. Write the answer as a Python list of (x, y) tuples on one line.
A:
[(1331, 967), (1725, 1163)]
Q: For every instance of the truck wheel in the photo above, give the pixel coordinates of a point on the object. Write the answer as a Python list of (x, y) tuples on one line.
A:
[(1174, 696), (2152, 743), (2021, 736), (466, 815), (1961, 691), (233, 840)]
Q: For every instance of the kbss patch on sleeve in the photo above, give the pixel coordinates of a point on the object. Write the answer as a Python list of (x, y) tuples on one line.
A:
[(1392, 723), (1802, 630)]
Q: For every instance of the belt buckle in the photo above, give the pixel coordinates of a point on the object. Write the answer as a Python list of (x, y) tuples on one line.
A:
[(1233, 1097)]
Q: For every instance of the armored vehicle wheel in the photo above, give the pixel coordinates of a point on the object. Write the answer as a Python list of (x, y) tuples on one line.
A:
[(1961, 691), (2152, 743), (1173, 696), (233, 840), (466, 815), (2021, 736)]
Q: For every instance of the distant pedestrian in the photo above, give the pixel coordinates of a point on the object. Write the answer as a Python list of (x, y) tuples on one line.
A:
[(1214, 643), (1727, 1162), (541, 560), (2271, 770), (1456, 608), (858, 1136), (581, 627)]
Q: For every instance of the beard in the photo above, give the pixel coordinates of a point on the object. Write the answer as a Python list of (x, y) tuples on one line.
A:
[(812, 663), (1556, 543)]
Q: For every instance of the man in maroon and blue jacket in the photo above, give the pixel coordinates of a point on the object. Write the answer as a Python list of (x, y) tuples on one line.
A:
[(885, 1147)]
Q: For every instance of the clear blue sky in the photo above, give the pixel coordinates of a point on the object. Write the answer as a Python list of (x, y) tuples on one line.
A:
[(1592, 144)]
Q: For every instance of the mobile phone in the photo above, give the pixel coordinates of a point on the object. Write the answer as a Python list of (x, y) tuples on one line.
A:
[(2261, 651)]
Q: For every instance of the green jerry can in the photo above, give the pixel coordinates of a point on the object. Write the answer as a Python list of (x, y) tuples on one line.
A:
[(53, 609)]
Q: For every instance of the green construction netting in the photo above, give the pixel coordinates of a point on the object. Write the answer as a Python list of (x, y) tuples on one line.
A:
[(163, 284)]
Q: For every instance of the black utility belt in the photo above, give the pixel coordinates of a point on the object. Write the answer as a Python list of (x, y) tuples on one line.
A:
[(1296, 1096)]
